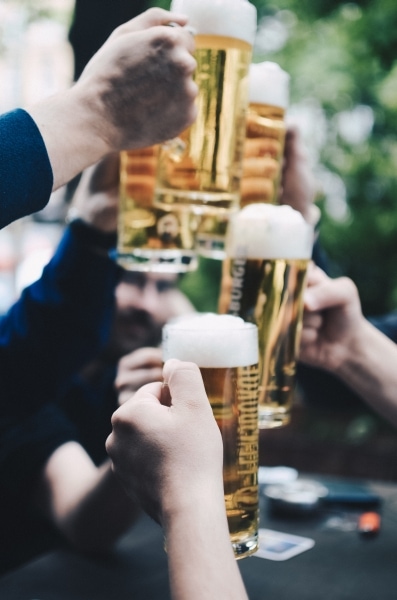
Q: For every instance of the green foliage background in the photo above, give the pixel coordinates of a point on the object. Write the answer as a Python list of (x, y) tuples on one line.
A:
[(342, 56)]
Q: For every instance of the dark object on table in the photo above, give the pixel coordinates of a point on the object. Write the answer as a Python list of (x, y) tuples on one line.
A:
[(351, 494), (300, 497)]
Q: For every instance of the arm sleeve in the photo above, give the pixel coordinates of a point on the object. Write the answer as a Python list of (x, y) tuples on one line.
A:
[(27, 444), (26, 177), (59, 323)]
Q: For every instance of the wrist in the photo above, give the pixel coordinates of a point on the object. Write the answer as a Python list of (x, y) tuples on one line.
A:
[(204, 502), (69, 129), (354, 350)]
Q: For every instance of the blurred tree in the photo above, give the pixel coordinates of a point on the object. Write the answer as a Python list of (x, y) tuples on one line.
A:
[(342, 58)]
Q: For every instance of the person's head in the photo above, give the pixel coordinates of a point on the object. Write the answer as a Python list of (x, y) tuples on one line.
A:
[(144, 303)]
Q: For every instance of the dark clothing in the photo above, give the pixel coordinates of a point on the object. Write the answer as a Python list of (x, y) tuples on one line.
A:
[(387, 324), (89, 407), (94, 21), (57, 326), (26, 178), (58, 323)]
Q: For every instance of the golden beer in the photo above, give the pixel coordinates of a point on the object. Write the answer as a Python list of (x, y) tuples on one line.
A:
[(265, 133), (232, 390), (263, 282), (202, 168), (263, 151), (269, 293), (151, 239)]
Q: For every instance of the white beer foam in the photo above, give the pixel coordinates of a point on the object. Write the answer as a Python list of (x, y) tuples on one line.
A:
[(267, 231), (211, 340), (268, 84), (230, 18)]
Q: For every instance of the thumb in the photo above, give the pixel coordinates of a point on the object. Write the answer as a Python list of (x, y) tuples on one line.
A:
[(185, 384)]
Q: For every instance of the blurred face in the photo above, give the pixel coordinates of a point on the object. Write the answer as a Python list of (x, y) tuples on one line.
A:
[(144, 303)]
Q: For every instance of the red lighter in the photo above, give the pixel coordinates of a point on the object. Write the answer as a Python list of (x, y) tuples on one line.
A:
[(369, 524)]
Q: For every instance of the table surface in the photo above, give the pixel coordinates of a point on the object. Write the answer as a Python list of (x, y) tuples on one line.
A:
[(342, 565)]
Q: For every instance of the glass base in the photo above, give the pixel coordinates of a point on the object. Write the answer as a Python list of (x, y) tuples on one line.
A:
[(271, 419), (156, 261), (246, 547)]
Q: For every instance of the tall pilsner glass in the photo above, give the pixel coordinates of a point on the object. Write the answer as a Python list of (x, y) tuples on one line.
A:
[(226, 350), (263, 151), (268, 251), (201, 169)]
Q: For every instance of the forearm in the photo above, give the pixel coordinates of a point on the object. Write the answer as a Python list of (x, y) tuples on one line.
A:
[(101, 515), (66, 122), (201, 560), (370, 369), (86, 503)]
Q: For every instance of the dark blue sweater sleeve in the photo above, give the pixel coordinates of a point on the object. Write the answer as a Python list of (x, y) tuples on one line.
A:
[(26, 444), (26, 177), (58, 324)]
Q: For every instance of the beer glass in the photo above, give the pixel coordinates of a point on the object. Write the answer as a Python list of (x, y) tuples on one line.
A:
[(265, 133), (149, 238), (268, 250), (263, 151), (226, 350), (202, 168)]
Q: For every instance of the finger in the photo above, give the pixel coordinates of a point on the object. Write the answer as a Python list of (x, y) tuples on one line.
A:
[(106, 173), (141, 358), (150, 18), (314, 320), (330, 293), (165, 17), (134, 380), (185, 384), (149, 393), (185, 34), (315, 275), (308, 337)]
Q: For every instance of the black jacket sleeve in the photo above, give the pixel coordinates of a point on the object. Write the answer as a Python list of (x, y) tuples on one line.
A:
[(26, 177)]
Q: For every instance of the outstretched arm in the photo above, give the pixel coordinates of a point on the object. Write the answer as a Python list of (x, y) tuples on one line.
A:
[(85, 502), (167, 450), (136, 91), (337, 337)]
